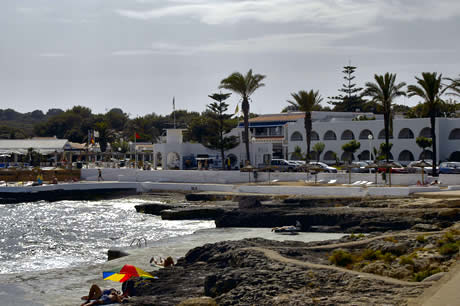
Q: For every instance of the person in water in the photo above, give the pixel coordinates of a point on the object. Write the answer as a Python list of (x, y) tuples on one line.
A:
[(96, 296)]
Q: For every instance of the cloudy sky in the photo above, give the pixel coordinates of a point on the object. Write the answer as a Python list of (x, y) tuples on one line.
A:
[(138, 54)]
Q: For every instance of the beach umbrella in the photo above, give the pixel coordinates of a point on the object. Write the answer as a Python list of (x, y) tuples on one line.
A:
[(349, 167), (389, 166), (122, 274), (422, 164), (312, 168), (373, 166), (248, 168)]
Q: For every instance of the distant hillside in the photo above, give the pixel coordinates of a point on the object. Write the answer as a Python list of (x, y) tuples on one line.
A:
[(16, 125)]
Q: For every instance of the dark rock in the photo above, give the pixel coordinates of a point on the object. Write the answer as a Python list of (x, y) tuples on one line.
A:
[(248, 203), (423, 227), (154, 208), (206, 197), (116, 253), (193, 213)]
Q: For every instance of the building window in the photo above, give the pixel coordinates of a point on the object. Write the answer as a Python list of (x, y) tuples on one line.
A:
[(427, 154), (314, 135), (406, 155), (330, 135), (425, 132), (347, 135), (329, 155), (454, 134), (365, 134), (382, 134), (296, 136), (406, 134)]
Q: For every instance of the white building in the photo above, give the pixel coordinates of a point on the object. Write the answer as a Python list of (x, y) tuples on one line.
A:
[(173, 153), (286, 131)]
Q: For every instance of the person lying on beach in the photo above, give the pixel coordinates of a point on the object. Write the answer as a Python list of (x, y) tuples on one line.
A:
[(163, 262), (96, 296)]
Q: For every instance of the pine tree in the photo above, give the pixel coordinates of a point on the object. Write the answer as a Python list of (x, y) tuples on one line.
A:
[(350, 99)]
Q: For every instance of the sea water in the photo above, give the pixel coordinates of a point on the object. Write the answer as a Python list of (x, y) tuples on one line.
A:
[(43, 235)]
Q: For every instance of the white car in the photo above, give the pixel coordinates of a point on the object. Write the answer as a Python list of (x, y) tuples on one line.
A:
[(325, 167)]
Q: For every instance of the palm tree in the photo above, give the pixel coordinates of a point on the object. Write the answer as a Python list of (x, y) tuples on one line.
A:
[(307, 101), (383, 92), (454, 86), (244, 86), (430, 89)]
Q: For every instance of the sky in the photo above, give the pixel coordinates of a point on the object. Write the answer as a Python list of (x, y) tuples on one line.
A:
[(138, 54)]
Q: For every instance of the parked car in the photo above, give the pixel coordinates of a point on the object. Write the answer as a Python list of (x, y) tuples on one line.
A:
[(397, 169), (412, 168), (449, 168), (325, 167), (283, 165), (361, 167)]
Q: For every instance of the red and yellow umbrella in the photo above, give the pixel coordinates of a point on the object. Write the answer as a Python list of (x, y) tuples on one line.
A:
[(122, 274)]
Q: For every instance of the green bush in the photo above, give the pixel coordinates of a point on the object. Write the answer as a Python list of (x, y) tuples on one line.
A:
[(391, 239), (418, 277), (387, 257), (406, 260), (369, 254), (341, 258), (421, 239), (448, 249)]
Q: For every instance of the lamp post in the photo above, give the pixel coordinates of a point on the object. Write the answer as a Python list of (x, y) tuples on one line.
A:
[(370, 137), (253, 140)]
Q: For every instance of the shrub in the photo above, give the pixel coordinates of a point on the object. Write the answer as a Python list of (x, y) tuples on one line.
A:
[(421, 239), (391, 239), (369, 254), (406, 260), (388, 257), (448, 249), (418, 277), (341, 258)]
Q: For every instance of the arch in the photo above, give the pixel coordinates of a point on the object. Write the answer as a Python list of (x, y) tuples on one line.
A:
[(347, 156), (233, 160), (313, 155), (406, 133), (314, 135), (406, 155), (347, 135), (330, 135), (425, 132), (427, 154), (455, 156), (365, 155), (329, 155), (365, 134), (159, 160), (173, 160), (382, 134), (296, 136), (454, 134)]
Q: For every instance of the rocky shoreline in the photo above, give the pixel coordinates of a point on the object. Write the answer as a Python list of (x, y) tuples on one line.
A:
[(265, 272), (419, 246), (319, 214)]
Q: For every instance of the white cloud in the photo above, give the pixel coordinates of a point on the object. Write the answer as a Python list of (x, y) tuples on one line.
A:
[(335, 13)]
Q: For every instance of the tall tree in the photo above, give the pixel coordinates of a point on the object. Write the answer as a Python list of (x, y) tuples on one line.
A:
[(430, 89), (307, 101), (454, 86), (350, 99), (218, 110), (318, 148), (245, 86), (423, 143), (383, 92)]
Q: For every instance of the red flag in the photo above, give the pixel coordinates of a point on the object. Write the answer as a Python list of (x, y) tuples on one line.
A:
[(137, 135)]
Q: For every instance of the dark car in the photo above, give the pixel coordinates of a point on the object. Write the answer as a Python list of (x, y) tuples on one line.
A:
[(361, 167), (449, 168)]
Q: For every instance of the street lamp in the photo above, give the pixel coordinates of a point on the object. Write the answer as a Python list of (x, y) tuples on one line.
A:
[(370, 137), (253, 140)]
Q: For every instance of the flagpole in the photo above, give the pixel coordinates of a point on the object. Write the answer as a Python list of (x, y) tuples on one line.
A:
[(135, 148), (174, 112)]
